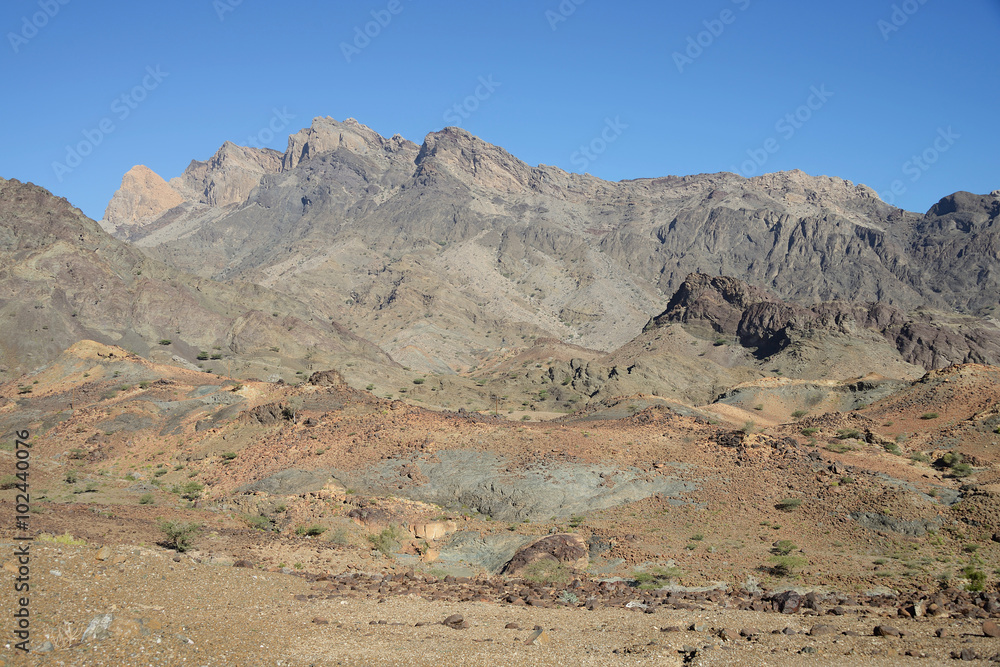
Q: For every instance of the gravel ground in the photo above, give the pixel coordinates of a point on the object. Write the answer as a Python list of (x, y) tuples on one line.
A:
[(169, 610)]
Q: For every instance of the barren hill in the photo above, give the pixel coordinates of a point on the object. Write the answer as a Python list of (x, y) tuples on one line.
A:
[(444, 252), (65, 279)]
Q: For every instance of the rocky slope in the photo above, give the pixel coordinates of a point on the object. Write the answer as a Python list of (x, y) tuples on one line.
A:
[(65, 279), (443, 252)]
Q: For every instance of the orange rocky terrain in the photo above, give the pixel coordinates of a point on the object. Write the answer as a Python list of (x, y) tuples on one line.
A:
[(335, 527)]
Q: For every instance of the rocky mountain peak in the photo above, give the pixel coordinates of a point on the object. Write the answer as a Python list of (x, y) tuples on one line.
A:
[(229, 176), (468, 158), (326, 135), (143, 196)]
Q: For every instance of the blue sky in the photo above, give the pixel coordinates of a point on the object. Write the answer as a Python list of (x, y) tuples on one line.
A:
[(856, 89)]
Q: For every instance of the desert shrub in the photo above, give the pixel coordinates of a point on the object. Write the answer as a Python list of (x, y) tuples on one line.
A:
[(788, 504), (658, 577), (146, 499), (8, 482), (65, 538), (758, 407), (929, 415), (848, 434), (386, 542), (340, 536), (569, 597), (961, 470), (847, 479), (749, 427), (977, 578), (810, 431), (71, 477), (188, 490), (798, 414), (547, 571), (314, 530), (783, 566), (165, 341), (229, 456), (419, 380), (783, 547), (892, 448), (178, 535), (839, 447), (920, 457), (257, 522)]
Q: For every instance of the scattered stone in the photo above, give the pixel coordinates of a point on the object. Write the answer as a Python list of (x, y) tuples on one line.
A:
[(244, 563), (821, 630), (887, 631), (749, 632), (671, 628), (728, 635), (788, 602), (104, 553), (941, 632), (456, 622), (512, 626), (991, 629), (320, 621), (538, 637), (789, 631), (697, 627), (46, 647), (98, 627), (808, 649)]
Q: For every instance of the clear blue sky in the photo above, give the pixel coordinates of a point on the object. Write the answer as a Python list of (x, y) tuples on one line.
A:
[(887, 94)]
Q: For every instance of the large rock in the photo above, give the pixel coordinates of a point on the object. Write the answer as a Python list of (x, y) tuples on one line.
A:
[(568, 548)]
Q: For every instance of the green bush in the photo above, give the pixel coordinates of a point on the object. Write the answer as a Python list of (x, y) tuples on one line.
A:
[(658, 577), (848, 434), (146, 499), (419, 380), (788, 504), (179, 535), (929, 415), (310, 531), (783, 547), (784, 566), (229, 456), (257, 522), (810, 431), (547, 572), (165, 341), (387, 541), (188, 490), (798, 414), (8, 482), (977, 578)]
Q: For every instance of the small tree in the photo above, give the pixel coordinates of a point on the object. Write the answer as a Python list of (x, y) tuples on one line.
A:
[(178, 535)]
